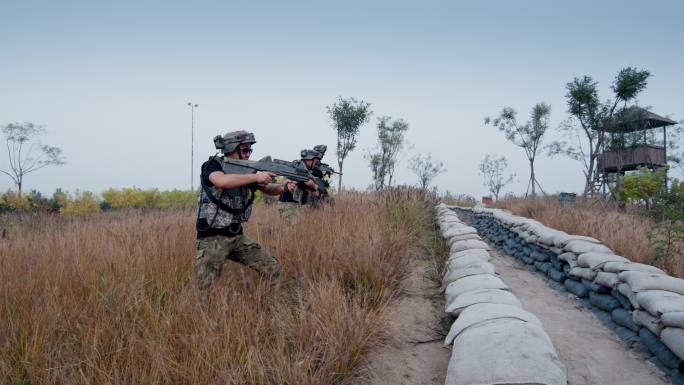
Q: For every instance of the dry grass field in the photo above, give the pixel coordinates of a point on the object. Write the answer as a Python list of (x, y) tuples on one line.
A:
[(110, 298), (625, 232)]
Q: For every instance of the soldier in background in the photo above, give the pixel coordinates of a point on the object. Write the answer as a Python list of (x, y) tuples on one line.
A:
[(323, 171), (225, 203), (295, 194)]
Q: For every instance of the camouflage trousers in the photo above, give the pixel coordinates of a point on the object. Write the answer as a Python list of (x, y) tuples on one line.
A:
[(290, 211), (213, 252)]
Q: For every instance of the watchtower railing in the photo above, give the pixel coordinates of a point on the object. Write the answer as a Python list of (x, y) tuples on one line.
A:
[(632, 158)]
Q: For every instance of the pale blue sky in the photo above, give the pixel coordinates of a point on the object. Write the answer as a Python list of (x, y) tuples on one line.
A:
[(110, 80)]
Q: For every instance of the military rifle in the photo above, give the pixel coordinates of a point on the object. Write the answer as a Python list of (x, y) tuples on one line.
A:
[(324, 169), (293, 171)]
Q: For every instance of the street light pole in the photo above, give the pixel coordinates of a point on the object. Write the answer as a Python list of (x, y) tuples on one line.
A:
[(192, 143)]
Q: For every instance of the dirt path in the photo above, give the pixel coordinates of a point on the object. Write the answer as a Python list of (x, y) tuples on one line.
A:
[(592, 353), (414, 354)]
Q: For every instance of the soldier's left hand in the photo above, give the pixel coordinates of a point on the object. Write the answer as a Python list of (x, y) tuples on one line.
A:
[(311, 185)]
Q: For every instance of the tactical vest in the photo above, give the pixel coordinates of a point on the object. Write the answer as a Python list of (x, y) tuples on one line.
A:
[(301, 195), (222, 208)]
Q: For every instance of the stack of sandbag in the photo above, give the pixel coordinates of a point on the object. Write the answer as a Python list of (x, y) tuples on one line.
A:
[(495, 341), (640, 302)]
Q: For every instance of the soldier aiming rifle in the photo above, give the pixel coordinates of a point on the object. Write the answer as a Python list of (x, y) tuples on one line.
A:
[(228, 183)]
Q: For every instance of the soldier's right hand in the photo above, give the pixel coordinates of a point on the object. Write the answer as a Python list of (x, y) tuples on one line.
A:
[(264, 177)]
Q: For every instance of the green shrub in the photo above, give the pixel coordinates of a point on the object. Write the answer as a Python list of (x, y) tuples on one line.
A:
[(642, 186), (83, 203), (667, 235)]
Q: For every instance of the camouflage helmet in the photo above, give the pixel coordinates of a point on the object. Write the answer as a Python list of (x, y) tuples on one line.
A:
[(230, 141), (310, 154), (322, 148)]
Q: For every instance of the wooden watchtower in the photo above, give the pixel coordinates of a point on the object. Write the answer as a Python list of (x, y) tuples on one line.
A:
[(630, 143)]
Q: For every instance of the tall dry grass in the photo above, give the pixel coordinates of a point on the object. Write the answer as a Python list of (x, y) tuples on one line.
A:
[(110, 299), (624, 231)]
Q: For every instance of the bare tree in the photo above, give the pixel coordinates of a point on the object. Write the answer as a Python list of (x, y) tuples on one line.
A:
[(25, 154), (347, 115), (493, 170), (426, 168), (390, 143), (527, 136)]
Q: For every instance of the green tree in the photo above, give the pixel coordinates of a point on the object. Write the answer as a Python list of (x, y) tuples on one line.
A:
[(590, 118), (642, 186), (527, 136), (83, 203), (347, 115), (426, 169), (390, 143), (493, 171), (25, 154), (667, 235), (59, 199)]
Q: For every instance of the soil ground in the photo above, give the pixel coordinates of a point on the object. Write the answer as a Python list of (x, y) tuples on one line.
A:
[(592, 353), (414, 353)]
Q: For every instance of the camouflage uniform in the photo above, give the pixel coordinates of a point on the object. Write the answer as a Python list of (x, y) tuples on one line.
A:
[(220, 215), (212, 253)]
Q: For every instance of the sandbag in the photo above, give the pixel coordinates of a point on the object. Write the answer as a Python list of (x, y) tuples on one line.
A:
[(646, 320), (544, 267), (624, 318), (604, 301), (673, 319), (607, 279), (557, 275), (602, 316), (624, 301), (673, 338), (658, 302), (626, 291), (595, 261), (468, 245), (539, 256), (627, 336), (556, 250), (593, 287), (567, 257), (474, 269), (581, 247), (473, 282), (460, 261), (464, 237), (575, 288), (677, 377), (567, 269), (641, 281), (548, 235), (483, 312), (619, 267), (562, 241), (492, 296), (454, 231), (465, 253), (505, 352), (664, 354), (583, 272)]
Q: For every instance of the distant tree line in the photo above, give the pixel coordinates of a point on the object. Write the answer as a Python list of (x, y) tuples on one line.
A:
[(86, 202)]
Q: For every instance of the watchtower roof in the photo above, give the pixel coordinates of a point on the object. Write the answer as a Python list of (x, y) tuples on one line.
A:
[(637, 119)]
